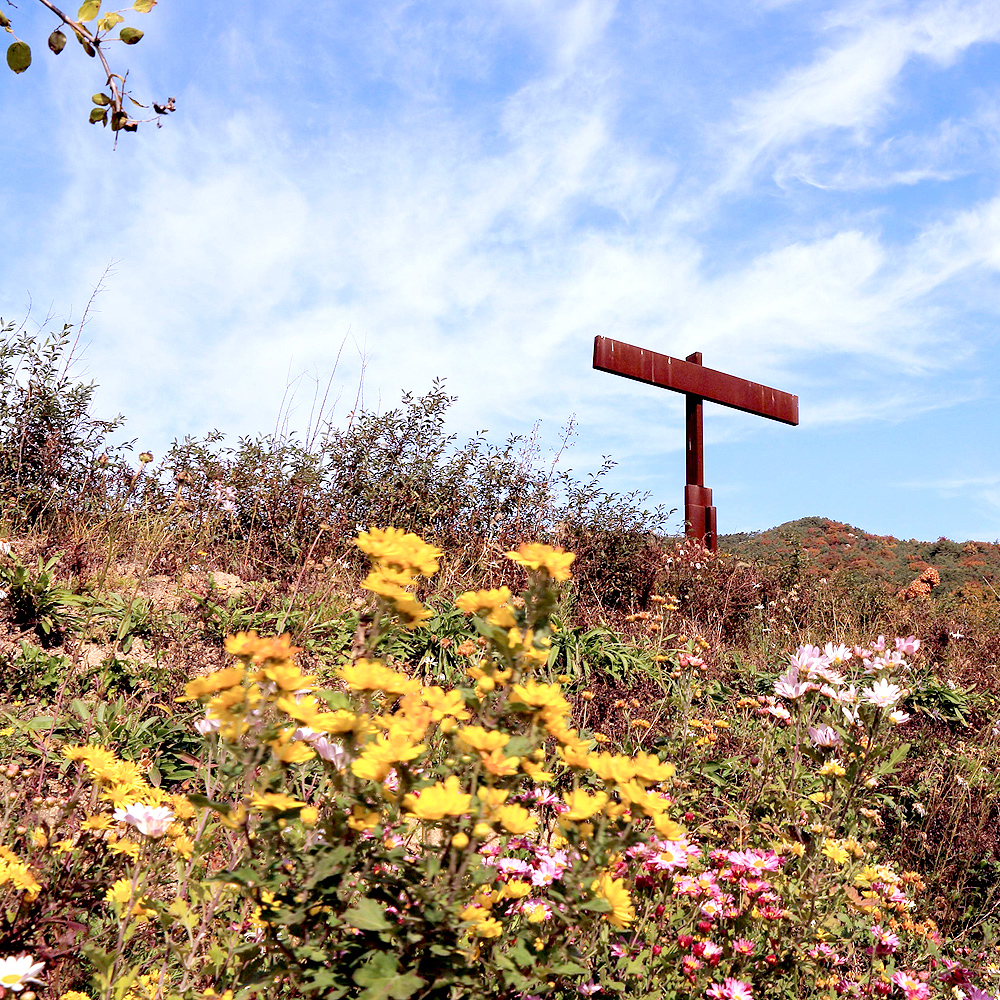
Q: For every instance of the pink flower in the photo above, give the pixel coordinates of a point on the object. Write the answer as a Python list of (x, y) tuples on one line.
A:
[(909, 645), (824, 736), (882, 694), (912, 988), (886, 942), (730, 989), (788, 685), (743, 946)]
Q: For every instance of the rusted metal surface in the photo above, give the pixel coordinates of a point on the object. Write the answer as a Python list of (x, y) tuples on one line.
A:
[(661, 370), (698, 384)]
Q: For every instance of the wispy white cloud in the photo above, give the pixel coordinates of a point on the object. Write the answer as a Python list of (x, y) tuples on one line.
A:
[(490, 244), (852, 83)]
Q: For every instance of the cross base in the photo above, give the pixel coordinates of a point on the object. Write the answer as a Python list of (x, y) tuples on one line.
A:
[(699, 515)]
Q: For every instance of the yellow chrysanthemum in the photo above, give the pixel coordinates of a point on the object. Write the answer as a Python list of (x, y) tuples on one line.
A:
[(483, 602), (582, 805), (614, 891), (484, 740), (516, 819), (439, 800), (533, 555), (221, 680), (404, 551)]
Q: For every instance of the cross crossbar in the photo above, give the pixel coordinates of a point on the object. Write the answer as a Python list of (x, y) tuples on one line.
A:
[(661, 370)]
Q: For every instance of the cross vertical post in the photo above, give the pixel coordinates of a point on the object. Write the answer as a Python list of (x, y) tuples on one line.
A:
[(698, 384), (699, 514)]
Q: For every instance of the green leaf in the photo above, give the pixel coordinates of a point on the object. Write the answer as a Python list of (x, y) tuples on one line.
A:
[(367, 916), (598, 905), (144, 6), (109, 21), (130, 35), (101, 100), (570, 969), (19, 56), (89, 10), (98, 115), (383, 981), (57, 42), (4, 20)]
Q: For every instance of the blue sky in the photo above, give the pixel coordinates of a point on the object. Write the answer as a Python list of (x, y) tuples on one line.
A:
[(807, 192)]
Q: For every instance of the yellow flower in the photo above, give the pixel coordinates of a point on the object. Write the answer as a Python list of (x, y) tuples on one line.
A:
[(287, 676), (833, 769), (96, 823), (444, 704), (127, 847), (371, 675), (547, 698), (515, 889), (583, 805), (575, 755), (307, 711), (554, 562), (120, 895), (491, 799), (393, 747), (401, 550), (39, 838), (516, 819), (473, 914), (648, 767), (536, 771), (360, 819), (667, 828), (612, 767), (488, 928), (181, 806), (309, 816), (370, 769), (480, 602), (439, 800), (235, 818), (614, 891), (253, 647), (482, 739), (276, 801), (292, 752), (496, 763), (460, 841), (835, 852), (221, 680), (183, 846), (73, 995)]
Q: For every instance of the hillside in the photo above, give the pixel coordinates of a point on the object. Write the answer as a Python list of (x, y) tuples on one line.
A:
[(819, 547)]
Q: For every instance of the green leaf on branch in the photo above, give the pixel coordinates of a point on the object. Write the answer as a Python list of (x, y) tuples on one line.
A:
[(101, 100), (87, 47), (144, 6), (89, 11), (57, 42), (107, 22), (130, 35), (98, 115), (19, 56), (367, 916), (381, 978), (4, 20)]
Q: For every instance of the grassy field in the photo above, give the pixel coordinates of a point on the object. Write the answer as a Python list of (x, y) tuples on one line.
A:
[(472, 765)]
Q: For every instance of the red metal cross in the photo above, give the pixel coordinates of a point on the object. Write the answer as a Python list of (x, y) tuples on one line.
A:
[(698, 384)]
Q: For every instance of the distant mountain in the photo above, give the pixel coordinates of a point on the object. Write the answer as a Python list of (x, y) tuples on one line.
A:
[(822, 547)]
